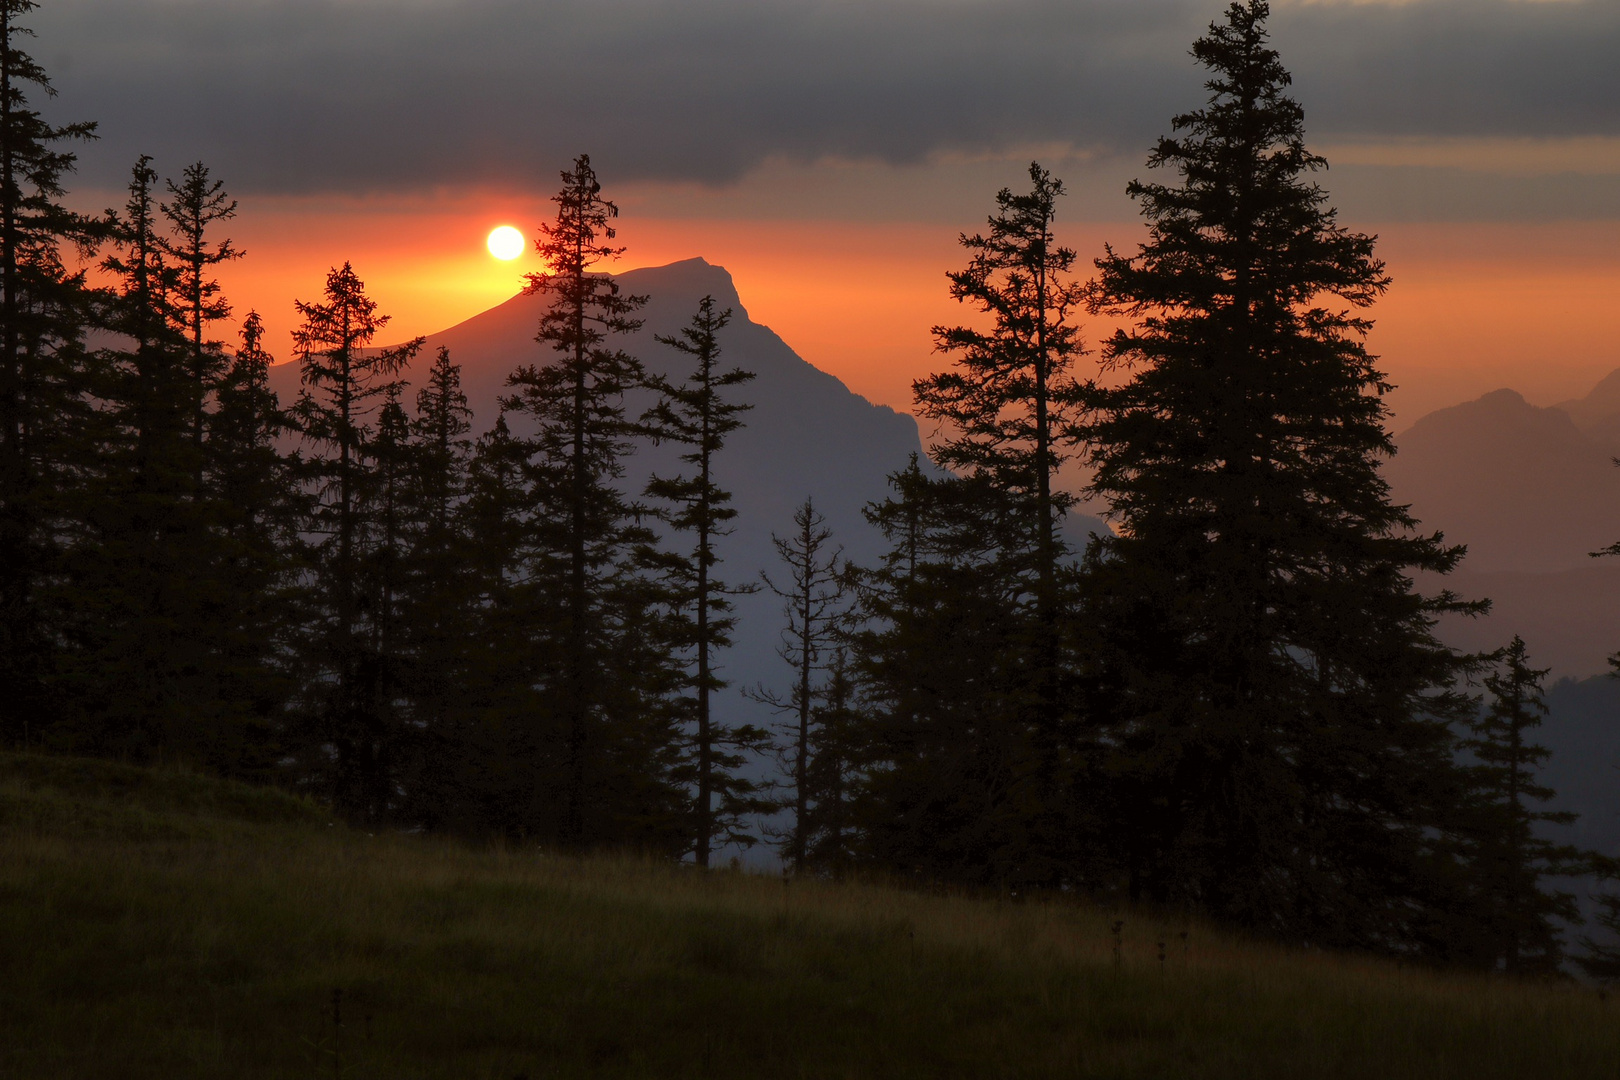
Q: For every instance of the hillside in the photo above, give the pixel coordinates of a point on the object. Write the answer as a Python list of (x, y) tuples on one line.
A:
[(155, 925)]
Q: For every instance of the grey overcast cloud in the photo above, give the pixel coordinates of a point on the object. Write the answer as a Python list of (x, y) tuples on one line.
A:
[(305, 96)]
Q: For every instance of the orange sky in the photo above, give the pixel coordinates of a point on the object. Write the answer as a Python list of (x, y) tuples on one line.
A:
[(1474, 306)]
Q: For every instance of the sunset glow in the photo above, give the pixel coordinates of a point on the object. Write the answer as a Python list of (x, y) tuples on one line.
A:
[(1473, 307)]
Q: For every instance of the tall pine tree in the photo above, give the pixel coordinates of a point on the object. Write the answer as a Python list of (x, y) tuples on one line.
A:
[(1009, 404), (352, 687), (594, 629), (43, 373), (697, 414), (138, 581), (258, 507), (197, 203), (502, 771), (949, 787), (813, 603), (1010, 401), (1511, 861), (439, 614), (1282, 720)]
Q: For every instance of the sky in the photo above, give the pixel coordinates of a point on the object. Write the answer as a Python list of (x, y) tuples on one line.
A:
[(829, 152)]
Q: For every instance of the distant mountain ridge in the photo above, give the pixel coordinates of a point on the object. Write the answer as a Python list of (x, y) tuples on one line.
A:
[(1524, 487), (1532, 491), (1598, 413)]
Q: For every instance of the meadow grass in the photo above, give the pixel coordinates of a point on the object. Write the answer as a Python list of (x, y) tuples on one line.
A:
[(162, 925)]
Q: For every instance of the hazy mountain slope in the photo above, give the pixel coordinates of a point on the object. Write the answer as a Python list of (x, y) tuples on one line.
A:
[(1598, 413), (1531, 491), (1570, 618), (1522, 486)]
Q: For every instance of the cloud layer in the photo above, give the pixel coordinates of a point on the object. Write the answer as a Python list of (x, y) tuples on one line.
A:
[(357, 95)]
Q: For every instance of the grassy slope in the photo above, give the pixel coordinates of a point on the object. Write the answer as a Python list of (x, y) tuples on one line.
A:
[(158, 925)]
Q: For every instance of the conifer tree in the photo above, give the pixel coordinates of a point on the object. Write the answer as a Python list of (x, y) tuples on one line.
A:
[(350, 689), (384, 568), (247, 473), (439, 615), (1009, 403), (1511, 862), (501, 773), (258, 507), (141, 658), (586, 550), (1282, 724), (198, 202), (696, 414), (949, 786), (43, 374), (813, 603), (837, 752)]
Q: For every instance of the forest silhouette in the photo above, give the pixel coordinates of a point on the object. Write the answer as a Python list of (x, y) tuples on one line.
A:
[(1233, 701)]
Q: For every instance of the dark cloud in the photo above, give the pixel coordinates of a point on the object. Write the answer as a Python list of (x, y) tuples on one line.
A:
[(308, 95)]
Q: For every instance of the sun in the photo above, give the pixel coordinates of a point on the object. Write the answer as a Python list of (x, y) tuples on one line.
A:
[(506, 242)]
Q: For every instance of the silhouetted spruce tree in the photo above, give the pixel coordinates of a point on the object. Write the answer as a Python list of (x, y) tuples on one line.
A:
[(1010, 400), (198, 203), (596, 624), (1511, 861), (837, 752), (696, 414), (228, 725), (44, 402), (1282, 720), (350, 692), (1009, 405), (258, 506), (813, 603), (383, 573), (439, 616), (504, 768), (942, 664), (138, 581)]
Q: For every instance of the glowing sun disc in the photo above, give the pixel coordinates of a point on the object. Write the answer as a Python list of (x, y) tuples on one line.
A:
[(506, 242)]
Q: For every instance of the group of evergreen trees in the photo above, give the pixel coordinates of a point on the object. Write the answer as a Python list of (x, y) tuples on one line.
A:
[(1235, 702), (348, 592)]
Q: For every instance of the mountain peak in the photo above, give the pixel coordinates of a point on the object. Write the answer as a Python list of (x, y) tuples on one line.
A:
[(1502, 400), (688, 277), (1499, 407)]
